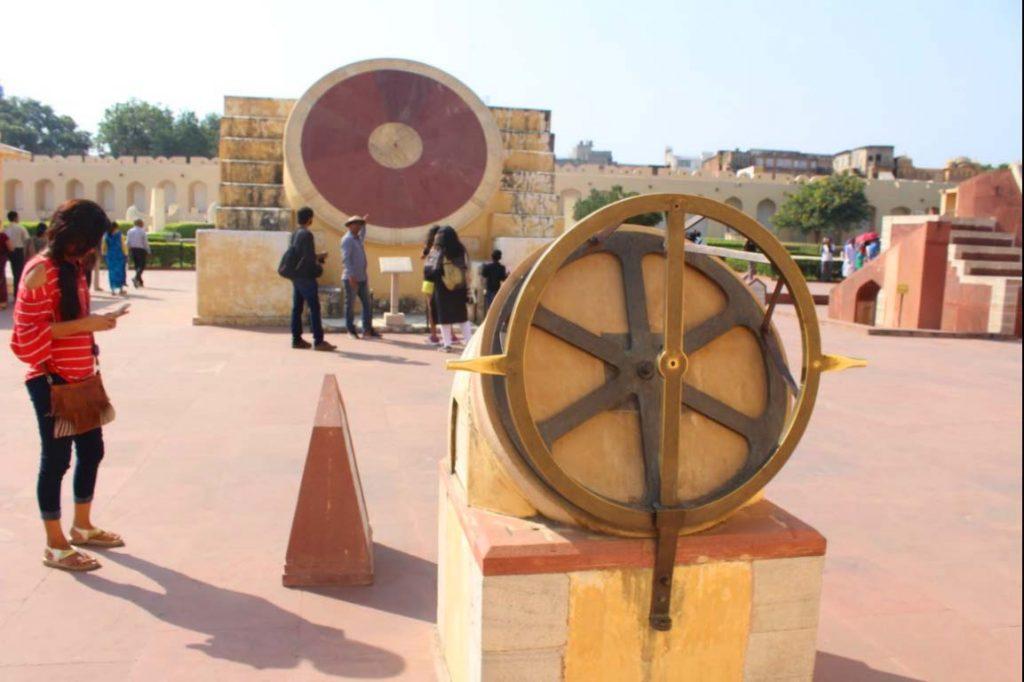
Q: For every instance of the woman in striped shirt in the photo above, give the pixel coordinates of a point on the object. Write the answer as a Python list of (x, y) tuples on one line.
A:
[(53, 335)]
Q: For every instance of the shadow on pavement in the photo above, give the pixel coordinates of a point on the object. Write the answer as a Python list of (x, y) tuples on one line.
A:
[(833, 668), (389, 359), (244, 628), (403, 584)]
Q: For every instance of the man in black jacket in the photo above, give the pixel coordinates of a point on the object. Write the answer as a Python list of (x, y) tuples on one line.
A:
[(305, 290)]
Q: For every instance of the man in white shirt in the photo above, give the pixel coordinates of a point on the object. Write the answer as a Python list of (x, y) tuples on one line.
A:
[(17, 238), (138, 247), (826, 260)]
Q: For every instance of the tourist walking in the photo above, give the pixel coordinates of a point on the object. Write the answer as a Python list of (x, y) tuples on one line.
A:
[(138, 247), (493, 274), (446, 268), (37, 243), (4, 254), (53, 335), (306, 268), (826, 260), (114, 254), (17, 239), (751, 274), (355, 277), (849, 258), (428, 287)]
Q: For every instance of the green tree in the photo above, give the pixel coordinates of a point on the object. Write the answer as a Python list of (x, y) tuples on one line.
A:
[(599, 198), (33, 126), (136, 128), (192, 137), (836, 202)]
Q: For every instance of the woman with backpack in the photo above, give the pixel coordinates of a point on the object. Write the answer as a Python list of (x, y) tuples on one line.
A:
[(446, 267)]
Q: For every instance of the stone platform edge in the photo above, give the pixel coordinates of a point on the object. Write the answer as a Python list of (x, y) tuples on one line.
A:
[(505, 545)]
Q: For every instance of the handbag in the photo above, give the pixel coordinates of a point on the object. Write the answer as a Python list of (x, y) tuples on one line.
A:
[(427, 287), (79, 407), (453, 277)]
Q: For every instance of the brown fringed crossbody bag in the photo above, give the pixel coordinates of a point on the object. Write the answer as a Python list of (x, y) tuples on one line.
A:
[(79, 407)]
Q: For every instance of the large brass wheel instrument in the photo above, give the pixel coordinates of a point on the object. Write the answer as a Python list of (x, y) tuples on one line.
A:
[(640, 382)]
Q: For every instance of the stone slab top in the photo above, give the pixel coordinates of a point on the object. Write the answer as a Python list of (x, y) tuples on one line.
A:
[(505, 545)]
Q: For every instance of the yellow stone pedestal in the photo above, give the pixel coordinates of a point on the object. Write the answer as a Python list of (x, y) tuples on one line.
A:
[(529, 600)]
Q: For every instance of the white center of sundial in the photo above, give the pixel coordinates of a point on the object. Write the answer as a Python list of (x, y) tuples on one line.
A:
[(395, 145)]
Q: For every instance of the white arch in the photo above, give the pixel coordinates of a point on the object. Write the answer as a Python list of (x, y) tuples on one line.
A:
[(170, 192), (735, 202), (136, 196), (105, 196), (74, 189), (198, 201), (45, 199), (765, 211), (14, 196)]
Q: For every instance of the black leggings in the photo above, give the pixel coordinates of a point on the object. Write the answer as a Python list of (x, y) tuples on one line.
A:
[(56, 454)]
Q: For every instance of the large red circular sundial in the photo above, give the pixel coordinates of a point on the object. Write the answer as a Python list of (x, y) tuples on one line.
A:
[(400, 141)]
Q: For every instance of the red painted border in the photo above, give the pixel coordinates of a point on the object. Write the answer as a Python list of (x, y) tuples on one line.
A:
[(505, 545)]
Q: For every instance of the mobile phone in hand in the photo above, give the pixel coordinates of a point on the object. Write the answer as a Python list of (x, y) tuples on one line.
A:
[(121, 310)]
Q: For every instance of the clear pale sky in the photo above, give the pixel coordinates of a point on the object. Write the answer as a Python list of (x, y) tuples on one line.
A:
[(937, 79)]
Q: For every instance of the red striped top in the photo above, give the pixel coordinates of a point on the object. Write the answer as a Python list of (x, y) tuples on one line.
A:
[(32, 341)]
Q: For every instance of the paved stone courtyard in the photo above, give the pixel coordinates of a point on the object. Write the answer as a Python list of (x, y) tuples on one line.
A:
[(911, 469)]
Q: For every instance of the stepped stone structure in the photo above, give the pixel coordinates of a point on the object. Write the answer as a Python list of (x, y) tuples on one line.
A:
[(959, 272), (487, 171), (252, 164)]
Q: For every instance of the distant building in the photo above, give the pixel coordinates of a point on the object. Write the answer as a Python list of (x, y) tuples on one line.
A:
[(584, 152), (768, 161), (872, 161), (682, 163)]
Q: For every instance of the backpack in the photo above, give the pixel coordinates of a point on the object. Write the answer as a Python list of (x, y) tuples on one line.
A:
[(289, 265), (453, 277)]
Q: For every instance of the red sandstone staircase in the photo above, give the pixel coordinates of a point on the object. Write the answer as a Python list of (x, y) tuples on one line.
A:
[(979, 254)]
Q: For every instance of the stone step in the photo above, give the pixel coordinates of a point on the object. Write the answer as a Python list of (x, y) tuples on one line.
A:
[(976, 238), (251, 148), (521, 160), (992, 269), (542, 141), (522, 120), (269, 107), (1003, 254), (528, 181), (248, 218), (257, 172), (968, 227), (252, 195), (252, 126)]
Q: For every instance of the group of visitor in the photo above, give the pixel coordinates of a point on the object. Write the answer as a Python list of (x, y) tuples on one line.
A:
[(445, 283), (18, 246), (857, 255)]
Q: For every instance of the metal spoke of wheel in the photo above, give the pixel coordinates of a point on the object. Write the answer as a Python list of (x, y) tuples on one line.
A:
[(719, 412), (708, 330), (606, 397), (574, 334), (672, 362)]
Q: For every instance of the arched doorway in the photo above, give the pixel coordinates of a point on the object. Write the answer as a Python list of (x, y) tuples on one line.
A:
[(866, 303), (137, 196), (170, 193), (197, 201), (14, 196), (900, 210), (45, 199), (765, 212), (74, 190), (105, 196)]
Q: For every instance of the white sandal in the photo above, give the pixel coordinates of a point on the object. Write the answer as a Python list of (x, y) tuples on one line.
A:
[(58, 558), (92, 536)]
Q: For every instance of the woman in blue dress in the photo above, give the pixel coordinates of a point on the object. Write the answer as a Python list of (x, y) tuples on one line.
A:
[(113, 251)]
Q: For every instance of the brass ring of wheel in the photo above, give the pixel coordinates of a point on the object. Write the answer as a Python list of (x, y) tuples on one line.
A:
[(592, 231)]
